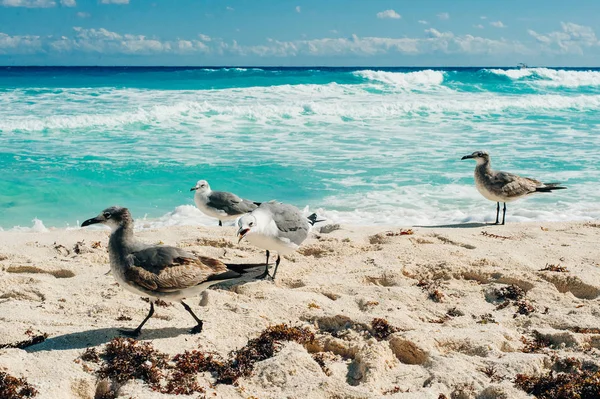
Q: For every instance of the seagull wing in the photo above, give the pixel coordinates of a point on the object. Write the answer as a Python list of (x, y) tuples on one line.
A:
[(230, 203), (512, 185), (164, 268), (291, 225)]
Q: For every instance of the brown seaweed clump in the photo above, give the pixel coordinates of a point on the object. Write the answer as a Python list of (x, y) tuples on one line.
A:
[(127, 359), (265, 346), (15, 388), (576, 385), (382, 328)]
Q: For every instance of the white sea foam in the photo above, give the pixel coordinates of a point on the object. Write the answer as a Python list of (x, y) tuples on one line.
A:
[(408, 80), (552, 77), (38, 227), (272, 105)]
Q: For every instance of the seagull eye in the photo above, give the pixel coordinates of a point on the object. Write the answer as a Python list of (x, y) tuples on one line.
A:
[(107, 215), (251, 224)]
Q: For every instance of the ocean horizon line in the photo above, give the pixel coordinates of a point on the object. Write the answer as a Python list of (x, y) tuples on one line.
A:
[(349, 67)]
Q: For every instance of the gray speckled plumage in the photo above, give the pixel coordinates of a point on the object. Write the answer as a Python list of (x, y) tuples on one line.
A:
[(160, 271)]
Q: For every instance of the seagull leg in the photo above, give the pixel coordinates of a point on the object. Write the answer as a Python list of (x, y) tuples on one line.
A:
[(138, 330), (198, 327), (503, 213), (266, 273), (276, 266), (220, 223), (497, 212)]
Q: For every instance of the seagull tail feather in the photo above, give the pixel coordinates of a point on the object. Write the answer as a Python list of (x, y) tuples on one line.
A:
[(548, 187), (312, 219)]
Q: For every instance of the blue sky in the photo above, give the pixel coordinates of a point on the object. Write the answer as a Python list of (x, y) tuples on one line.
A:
[(299, 32)]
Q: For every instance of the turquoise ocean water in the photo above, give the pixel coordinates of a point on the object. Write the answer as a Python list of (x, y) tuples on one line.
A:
[(358, 145)]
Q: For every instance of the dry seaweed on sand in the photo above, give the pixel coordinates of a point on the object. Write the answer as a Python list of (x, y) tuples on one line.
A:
[(554, 268), (381, 328), (125, 359), (584, 384), (536, 343), (512, 292), (15, 388)]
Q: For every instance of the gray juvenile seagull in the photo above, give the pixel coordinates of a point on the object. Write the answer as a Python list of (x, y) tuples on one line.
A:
[(503, 186), (220, 204), (274, 226), (161, 271)]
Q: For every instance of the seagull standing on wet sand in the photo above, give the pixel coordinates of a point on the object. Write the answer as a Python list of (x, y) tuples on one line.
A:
[(161, 271), (503, 186), (274, 226), (220, 204)]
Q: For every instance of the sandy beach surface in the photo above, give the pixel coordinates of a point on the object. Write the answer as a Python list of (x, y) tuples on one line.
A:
[(465, 304)]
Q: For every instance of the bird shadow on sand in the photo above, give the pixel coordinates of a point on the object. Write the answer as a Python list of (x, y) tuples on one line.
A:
[(89, 338), (460, 225)]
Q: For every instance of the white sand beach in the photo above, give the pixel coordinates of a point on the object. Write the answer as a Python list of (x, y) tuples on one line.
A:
[(437, 287)]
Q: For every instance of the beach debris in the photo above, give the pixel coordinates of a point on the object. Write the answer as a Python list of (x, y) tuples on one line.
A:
[(554, 268), (491, 235), (491, 372), (524, 308), (584, 330), (313, 305), (446, 240), (512, 292), (536, 343), (124, 359), (581, 384), (455, 312), (319, 358), (486, 319), (61, 249), (381, 329), (403, 232), (15, 388), (33, 339)]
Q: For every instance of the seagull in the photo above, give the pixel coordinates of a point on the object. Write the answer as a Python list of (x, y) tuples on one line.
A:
[(274, 226), (503, 186), (161, 271), (220, 204)]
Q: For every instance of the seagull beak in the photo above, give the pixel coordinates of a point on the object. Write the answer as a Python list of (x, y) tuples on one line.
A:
[(467, 157), (91, 221), (241, 234), (193, 188)]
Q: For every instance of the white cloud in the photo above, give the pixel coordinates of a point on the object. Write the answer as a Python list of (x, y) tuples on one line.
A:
[(483, 17), (571, 39), (82, 14), (20, 44), (298, 9), (228, 8), (423, 22), (443, 16), (335, 32), (29, 3), (478, 26), (68, 3), (115, 1), (391, 14), (498, 24)]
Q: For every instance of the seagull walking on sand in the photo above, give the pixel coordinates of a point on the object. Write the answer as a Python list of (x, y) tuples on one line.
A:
[(162, 271), (503, 186), (274, 226), (220, 204)]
